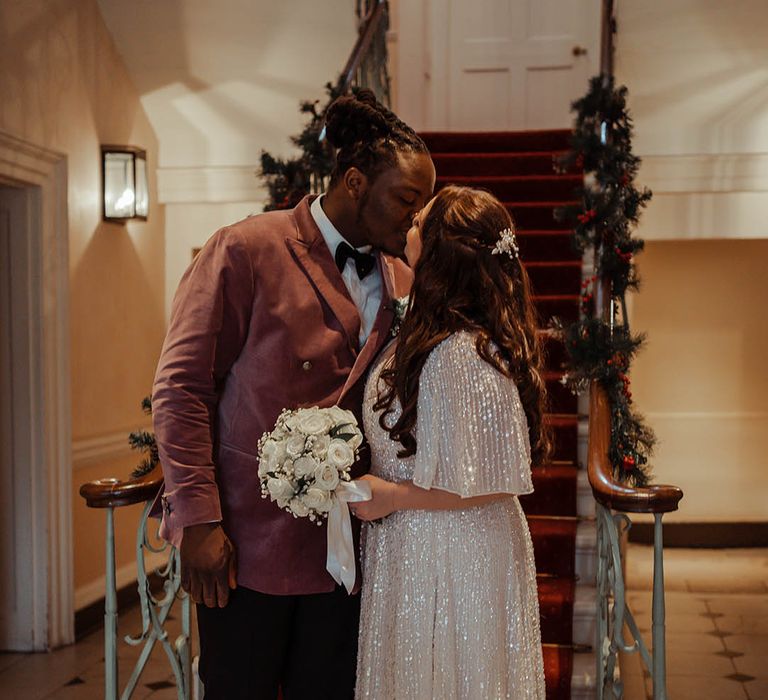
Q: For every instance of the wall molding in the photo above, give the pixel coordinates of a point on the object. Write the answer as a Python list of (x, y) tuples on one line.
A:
[(720, 172), (708, 415), (205, 184), (101, 448), (664, 174)]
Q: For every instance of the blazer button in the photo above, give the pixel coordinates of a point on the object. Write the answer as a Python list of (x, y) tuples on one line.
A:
[(307, 366)]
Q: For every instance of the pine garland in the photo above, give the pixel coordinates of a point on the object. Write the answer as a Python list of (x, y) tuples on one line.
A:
[(608, 210), (144, 441), (289, 180)]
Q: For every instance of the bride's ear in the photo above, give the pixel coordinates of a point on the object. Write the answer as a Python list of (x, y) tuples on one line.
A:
[(355, 183)]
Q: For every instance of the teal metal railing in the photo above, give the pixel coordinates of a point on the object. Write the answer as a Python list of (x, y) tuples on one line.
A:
[(159, 590)]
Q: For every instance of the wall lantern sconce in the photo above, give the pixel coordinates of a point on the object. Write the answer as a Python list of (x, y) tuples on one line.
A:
[(125, 191)]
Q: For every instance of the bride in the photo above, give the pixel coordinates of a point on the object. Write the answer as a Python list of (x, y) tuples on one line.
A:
[(454, 415)]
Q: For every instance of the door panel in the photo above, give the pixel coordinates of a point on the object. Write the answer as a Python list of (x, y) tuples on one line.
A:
[(510, 64)]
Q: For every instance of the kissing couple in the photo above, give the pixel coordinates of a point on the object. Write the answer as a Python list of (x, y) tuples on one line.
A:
[(302, 308)]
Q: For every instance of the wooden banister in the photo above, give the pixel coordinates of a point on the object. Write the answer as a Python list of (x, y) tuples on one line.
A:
[(607, 31), (363, 44), (113, 493), (605, 489)]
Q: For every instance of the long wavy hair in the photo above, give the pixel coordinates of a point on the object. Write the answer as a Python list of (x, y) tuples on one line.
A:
[(460, 285)]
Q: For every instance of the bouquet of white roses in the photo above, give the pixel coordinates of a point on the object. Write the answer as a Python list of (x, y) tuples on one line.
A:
[(304, 465), (306, 456)]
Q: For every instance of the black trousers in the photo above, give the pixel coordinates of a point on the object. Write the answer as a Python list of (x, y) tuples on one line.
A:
[(304, 644)]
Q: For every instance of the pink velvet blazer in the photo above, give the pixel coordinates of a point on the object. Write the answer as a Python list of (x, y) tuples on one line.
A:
[(261, 321)]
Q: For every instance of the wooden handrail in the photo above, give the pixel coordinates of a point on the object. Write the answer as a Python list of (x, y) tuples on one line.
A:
[(605, 489), (113, 493), (363, 44), (607, 31)]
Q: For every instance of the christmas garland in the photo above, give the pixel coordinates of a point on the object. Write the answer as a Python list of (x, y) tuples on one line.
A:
[(289, 180), (144, 441), (608, 209)]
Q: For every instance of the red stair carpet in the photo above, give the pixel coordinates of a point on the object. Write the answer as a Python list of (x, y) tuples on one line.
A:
[(517, 168)]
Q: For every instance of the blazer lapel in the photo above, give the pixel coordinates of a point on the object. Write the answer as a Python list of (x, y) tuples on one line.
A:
[(382, 326), (312, 254)]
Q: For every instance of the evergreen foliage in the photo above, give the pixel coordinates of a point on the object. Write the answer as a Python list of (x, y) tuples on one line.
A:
[(608, 209)]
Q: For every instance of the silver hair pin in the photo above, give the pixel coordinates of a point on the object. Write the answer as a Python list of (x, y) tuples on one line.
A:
[(507, 243)]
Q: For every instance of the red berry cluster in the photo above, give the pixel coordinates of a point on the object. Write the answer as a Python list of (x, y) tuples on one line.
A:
[(587, 294), (626, 257), (587, 216)]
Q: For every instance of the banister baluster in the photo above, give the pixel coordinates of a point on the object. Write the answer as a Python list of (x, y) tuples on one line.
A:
[(658, 631), (110, 613)]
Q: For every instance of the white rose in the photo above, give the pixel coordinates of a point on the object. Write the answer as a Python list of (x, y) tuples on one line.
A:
[(294, 445), (339, 416), (340, 454), (304, 466), (317, 499), (313, 421), (280, 490), (326, 477), (265, 466), (273, 451), (298, 508), (320, 446)]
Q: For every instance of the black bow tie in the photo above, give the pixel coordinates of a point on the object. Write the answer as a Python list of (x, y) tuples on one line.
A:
[(364, 262)]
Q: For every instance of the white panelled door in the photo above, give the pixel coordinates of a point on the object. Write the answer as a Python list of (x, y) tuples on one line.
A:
[(509, 64)]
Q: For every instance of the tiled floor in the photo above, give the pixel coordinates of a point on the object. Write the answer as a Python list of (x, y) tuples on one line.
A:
[(77, 672), (717, 623), (717, 637)]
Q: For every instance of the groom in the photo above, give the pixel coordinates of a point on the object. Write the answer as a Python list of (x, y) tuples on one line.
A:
[(281, 310)]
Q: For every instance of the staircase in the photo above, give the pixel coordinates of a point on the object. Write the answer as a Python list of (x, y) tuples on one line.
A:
[(517, 168)]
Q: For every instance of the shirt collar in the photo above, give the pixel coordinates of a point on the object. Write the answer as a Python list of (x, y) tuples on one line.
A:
[(330, 232)]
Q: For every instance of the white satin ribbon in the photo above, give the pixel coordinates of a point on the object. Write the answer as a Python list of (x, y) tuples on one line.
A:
[(341, 548)]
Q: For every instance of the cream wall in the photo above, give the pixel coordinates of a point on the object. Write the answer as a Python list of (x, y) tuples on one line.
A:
[(701, 379), (64, 87), (697, 74)]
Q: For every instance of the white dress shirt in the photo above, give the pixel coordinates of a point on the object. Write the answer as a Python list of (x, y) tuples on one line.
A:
[(366, 292)]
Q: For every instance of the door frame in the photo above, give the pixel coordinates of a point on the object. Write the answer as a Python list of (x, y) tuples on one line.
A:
[(43, 175)]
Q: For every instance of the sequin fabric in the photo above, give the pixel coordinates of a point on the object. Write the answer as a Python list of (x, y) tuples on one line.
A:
[(449, 604)]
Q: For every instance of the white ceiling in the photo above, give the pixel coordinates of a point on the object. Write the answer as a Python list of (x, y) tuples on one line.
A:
[(222, 80)]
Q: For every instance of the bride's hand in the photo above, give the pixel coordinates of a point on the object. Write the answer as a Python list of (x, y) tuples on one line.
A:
[(382, 501)]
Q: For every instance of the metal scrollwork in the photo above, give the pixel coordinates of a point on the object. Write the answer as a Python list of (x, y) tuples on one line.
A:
[(155, 608), (614, 617)]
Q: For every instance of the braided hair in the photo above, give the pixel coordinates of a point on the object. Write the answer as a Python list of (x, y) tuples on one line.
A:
[(367, 135)]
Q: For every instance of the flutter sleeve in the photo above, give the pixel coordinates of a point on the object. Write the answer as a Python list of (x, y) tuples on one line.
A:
[(471, 430)]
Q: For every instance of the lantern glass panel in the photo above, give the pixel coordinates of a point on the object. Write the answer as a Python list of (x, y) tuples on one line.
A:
[(142, 190), (119, 185)]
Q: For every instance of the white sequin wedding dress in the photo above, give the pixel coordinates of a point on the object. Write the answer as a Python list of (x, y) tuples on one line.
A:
[(449, 604)]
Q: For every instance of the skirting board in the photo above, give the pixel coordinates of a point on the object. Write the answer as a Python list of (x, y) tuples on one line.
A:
[(704, 535)]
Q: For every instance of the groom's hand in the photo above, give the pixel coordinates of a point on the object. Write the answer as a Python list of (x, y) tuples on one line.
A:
[(208, 568)]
